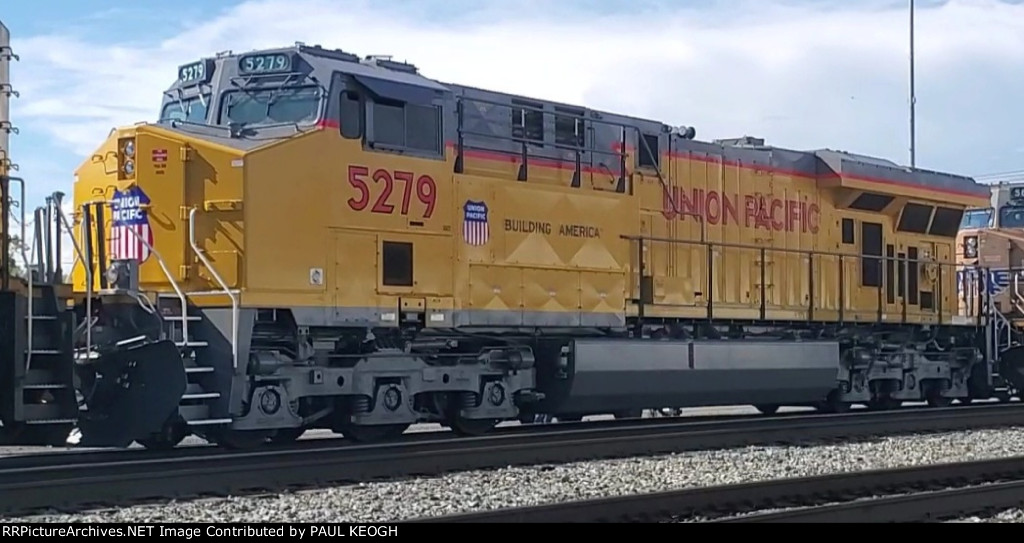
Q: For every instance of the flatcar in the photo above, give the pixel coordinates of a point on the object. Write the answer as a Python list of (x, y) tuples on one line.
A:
[(335, 241)]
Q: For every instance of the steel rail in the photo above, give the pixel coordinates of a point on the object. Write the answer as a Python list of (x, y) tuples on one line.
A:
[(69, 484), (814, 492), (87, 455), (933, 506)]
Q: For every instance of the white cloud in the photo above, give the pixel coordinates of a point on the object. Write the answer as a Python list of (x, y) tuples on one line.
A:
[(801, 75)]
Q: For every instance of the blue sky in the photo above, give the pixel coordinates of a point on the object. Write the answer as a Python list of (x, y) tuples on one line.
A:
[(799, 73)]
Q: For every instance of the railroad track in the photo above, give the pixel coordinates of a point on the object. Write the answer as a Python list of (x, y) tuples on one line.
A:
[(909, 494), (63, 456), (58, 456), (79, 481)]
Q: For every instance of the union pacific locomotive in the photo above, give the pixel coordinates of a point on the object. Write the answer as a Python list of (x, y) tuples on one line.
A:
[(311, 239)]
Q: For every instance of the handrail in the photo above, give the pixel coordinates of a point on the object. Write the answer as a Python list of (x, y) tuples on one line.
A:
[(174, 285), (25, 251), (87, 268), (1002, 322), (1018, 298), (223, 285), (24, 259), (964, 282), (785, 250), (525, 143), (88, 273)]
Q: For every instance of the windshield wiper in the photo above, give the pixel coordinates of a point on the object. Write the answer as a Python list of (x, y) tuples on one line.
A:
[(181, 123), (180, 100)]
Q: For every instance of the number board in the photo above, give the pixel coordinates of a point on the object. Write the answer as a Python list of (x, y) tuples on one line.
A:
[(195, 73), (261, 64), (1017, 193)]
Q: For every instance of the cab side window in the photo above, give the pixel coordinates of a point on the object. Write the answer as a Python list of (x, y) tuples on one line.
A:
[(351, 115)]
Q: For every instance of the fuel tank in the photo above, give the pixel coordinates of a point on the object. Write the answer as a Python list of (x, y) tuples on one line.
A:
[(608, 375)]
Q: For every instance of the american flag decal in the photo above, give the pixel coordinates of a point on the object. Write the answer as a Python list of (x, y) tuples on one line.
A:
[(475, 229), (128, 213)]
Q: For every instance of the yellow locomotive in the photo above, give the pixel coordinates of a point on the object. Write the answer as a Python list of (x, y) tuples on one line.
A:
[(340, 242)]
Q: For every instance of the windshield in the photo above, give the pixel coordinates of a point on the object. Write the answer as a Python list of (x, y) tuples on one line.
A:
[(1011, 217), (271, 106), (191, 109), (977, 218)]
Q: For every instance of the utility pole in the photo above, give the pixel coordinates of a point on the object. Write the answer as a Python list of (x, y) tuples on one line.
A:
[(6, 165), (913, 98)]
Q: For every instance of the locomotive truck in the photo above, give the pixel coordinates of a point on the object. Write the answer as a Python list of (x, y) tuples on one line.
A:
[(307, 238)]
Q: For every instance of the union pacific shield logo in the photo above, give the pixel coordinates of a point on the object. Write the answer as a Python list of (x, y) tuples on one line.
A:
[(475, 229), (130, 216)]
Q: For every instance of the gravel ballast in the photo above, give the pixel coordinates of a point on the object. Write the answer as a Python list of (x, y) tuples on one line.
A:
[(1007, 516), (508, 487)]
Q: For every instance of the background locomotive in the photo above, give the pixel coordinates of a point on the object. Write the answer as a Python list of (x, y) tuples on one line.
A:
[(991, 238), (340, 242)]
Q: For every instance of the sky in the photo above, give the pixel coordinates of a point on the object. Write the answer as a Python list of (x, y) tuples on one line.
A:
[(803, 74)]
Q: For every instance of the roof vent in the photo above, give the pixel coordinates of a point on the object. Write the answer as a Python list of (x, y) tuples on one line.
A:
[(384, 61), (334, 54), (745, 141)]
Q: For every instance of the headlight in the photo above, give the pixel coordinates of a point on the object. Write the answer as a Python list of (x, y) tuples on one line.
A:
[(112, 275), (971, 246), (125, 158)]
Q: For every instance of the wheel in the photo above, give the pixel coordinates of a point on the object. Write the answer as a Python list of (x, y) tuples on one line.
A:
[(629, 414), (833, 404), (472, 427), (767, 409), (242, 439), (173, 432), (287, 435), (884, 404), (372, 433), (936, 399)]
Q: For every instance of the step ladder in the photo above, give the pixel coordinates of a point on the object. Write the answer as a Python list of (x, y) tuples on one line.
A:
[(201, 392), (1004, 334), (45, 386)]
